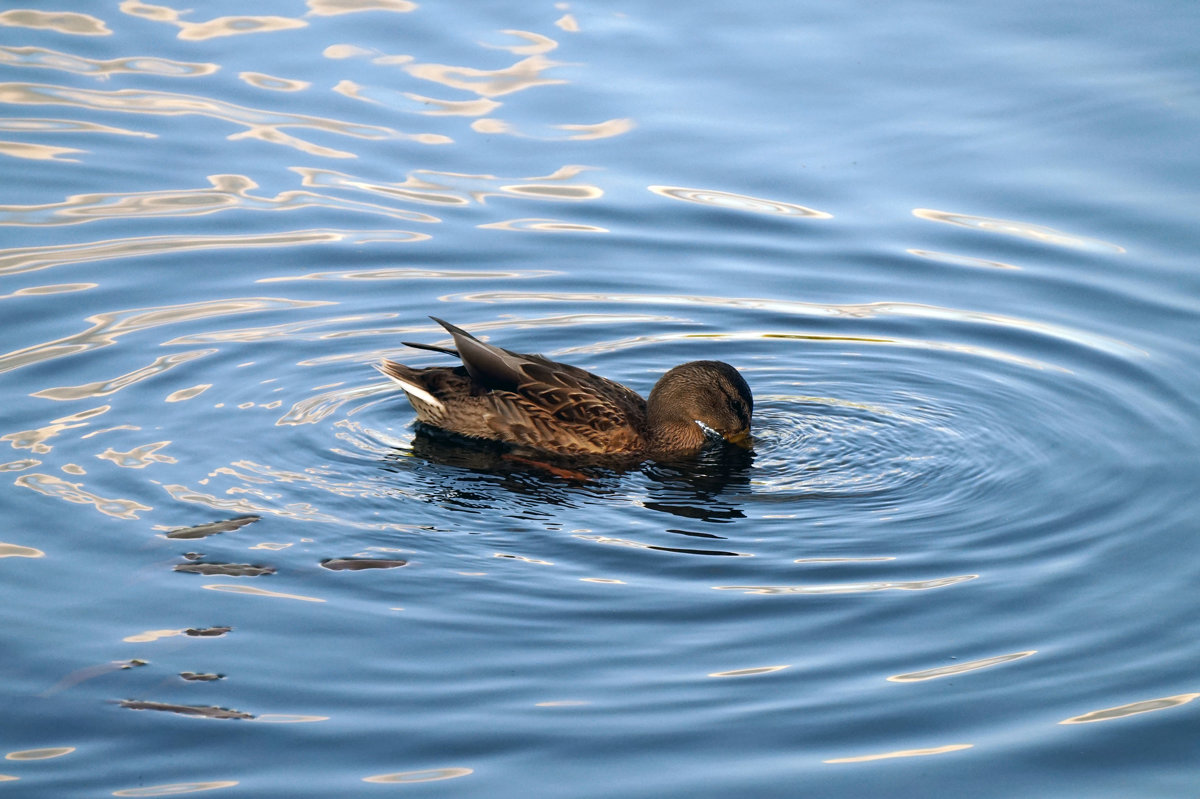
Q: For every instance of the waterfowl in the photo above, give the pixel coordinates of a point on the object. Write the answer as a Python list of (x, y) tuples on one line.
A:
[(533, 402)]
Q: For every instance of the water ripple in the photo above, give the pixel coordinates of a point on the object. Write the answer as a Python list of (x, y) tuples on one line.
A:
[(259, 124), (430, 187), (130, 65), (330, 8), (210, 29), (103, 388), (29, 125), (272, 83), (524, 74), (405, 273), (227, 192), (31, 259), (737, 202), (1024, 230), (58, 21), (851, 588), (543, 226), (39, 152), (861, 311), (108, 327)]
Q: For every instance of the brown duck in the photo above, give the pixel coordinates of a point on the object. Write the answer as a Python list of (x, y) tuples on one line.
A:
[(533, 402)]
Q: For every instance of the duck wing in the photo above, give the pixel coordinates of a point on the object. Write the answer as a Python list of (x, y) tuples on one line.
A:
[(566, 393), (488, 365)]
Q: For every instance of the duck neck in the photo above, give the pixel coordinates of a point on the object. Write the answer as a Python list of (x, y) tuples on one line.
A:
[(673, 435)]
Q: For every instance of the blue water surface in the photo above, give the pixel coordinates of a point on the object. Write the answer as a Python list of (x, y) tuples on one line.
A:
[(950, 247)]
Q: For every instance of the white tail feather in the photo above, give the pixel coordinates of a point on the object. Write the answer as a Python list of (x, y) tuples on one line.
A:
[(414, 390)]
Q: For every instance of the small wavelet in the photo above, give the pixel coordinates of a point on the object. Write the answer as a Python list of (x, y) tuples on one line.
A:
[(858, 312), (226, 193), (432, 106), (210, 29), (138, 457), (543, 226), (109, 326), (250, 590), (104, 388), (569, 131), (331, 8), (53, 486), (956, 669), (39, 152), (185, 394), (19, 551), (1023, 230), (429, 187), (175, 788), (311, 483), (272, 83), (534, 43), (934, 750), (598, 130), (313, 409), (525, 74), (35, 439), (47, 753), (851, 588), (755, 671), (29, 125), (409, 273), (961, 260), (68, 22), (267, 126), (427, 775), (737, 202), (31, 259), (134, 65), (1132, 709)]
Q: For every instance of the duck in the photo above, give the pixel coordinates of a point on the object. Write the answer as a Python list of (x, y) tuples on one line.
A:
[(533, 403)]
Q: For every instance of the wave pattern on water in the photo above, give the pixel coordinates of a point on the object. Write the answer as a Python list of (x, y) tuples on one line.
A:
[(68, 22), (101, 68), (30, 259), (972, 473), (263, 125), (228, 192), (108, 327), (209, 29)]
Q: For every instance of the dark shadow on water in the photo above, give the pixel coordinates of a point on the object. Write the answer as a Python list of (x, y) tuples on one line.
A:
[(704, 488)]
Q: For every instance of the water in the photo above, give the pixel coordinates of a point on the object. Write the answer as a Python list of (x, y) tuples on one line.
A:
[(951, 249)]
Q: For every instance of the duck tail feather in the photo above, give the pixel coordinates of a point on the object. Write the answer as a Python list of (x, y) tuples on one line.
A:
[(431, 347), (487, 364), (404, 376)]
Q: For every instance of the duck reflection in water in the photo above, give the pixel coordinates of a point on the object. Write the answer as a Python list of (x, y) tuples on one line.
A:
[(705, 487)]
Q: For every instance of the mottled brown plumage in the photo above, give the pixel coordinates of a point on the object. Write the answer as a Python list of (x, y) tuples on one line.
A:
[(536, 403)]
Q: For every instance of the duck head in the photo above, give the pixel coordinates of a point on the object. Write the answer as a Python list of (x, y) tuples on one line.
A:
[(697, 397)]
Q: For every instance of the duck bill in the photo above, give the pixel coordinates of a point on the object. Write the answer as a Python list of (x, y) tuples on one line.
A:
[(740, 438)]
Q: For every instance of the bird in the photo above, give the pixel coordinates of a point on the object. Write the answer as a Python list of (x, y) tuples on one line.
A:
[(533, 403)]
